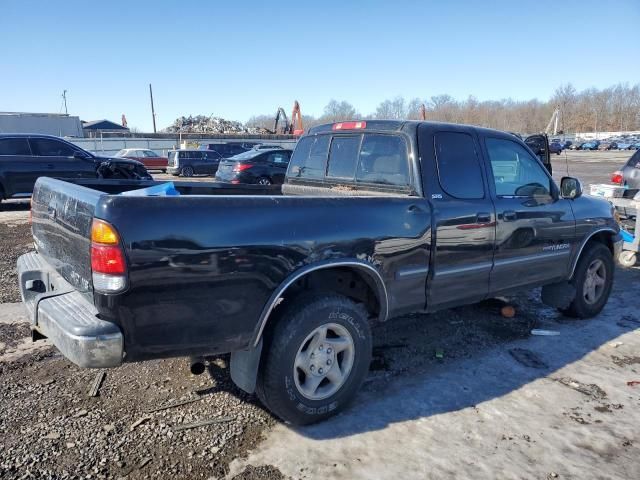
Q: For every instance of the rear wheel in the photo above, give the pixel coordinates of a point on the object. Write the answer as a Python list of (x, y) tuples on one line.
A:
[(593, 279), (315, 359), (187, 171)]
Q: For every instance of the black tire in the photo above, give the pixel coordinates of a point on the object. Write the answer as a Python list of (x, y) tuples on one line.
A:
[(264, 181), (580, 307), (278, 389), (187, 171)]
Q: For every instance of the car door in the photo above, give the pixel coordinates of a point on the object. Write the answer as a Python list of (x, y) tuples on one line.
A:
[(539, 145), (535, 228), (60, 160), (278, 163), (19, 169), (211, 160), (464, 218)]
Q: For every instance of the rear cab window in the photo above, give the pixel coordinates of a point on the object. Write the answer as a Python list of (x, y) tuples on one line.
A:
[(359, 160), (458, 163)]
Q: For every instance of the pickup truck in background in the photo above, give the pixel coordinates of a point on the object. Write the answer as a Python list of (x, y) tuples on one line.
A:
[(375, 219), (26, 157)]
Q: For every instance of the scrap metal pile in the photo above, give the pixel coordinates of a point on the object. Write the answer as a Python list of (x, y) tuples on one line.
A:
[(204, 124)]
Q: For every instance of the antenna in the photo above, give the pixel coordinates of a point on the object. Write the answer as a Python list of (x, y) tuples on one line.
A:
[(153, 112), (64, 99)]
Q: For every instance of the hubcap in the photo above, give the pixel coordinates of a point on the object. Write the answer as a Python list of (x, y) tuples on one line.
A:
[(264, 181), (594, 282), (324, 361)]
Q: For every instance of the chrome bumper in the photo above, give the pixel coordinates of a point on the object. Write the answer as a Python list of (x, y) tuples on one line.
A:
[(67, 317)]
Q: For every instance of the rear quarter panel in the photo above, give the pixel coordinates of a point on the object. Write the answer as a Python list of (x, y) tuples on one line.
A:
[(203, 268)]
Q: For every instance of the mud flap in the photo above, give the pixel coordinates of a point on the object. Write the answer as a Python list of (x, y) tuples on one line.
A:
[(244, 367), (558, 295)]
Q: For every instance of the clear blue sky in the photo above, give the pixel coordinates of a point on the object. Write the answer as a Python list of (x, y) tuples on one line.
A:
[(235, 59)]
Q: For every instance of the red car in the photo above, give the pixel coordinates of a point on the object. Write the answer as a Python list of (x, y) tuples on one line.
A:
[(148, 158)]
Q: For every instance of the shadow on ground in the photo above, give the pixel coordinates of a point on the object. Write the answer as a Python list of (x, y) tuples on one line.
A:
[(483, 356)]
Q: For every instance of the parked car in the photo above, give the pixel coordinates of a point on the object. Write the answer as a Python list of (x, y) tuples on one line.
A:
[(25, 157), (264, 167), (624, 145), (590, 145), (635, 146), (567, 144), (189, 162), (555, 147), (576, 146), (150, 159), (629, 174), (366, 229), (227, 150)]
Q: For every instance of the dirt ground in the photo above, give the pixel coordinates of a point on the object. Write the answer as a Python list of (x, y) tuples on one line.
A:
[(464, 393)]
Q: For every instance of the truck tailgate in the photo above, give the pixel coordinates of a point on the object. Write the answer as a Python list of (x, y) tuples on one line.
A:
[(62, 214)]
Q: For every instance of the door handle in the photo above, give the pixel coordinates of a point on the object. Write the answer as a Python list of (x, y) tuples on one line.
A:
[(509, 216), (483, 217)]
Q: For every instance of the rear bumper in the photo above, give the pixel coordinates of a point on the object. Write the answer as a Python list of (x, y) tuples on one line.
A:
[(67, 317)]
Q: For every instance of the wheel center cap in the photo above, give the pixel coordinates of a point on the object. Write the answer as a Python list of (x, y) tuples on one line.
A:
[(321, 360)]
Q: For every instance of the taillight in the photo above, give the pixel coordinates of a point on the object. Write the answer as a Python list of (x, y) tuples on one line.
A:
[(108, 264), (617, 177), (349, 125), (241, 167)]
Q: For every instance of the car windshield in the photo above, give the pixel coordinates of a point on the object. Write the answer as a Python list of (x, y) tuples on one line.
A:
[(121, 153)]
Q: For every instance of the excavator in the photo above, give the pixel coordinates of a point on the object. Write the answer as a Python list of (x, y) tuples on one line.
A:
[(282, 124)]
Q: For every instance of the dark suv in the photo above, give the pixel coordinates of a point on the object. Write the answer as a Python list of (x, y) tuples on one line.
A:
[(227, 150), (193, 162), (25, 157)]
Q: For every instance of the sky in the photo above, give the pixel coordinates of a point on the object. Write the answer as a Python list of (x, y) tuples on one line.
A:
[(237, 59)]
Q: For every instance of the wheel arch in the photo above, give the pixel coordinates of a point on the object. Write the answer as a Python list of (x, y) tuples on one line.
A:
[(367, 272), (603, 236)]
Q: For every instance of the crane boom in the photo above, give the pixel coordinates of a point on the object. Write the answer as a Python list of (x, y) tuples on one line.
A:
[(553, 121)]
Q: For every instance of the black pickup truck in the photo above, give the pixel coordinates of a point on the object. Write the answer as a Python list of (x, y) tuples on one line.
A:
[(375, 219)]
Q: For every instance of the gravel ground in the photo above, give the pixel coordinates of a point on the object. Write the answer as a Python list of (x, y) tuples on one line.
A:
[(51, 428), (15, 239)]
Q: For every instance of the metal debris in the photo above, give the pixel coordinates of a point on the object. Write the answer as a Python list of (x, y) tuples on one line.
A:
[(202, 423), (173, 404), (544, 333), (205, 124), (144, 461), (94, 391), (140, 421)]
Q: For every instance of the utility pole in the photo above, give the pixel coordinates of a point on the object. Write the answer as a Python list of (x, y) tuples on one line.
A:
[(64, 98), (153, 112)]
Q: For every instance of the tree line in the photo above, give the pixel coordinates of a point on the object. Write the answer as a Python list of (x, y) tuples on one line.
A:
[(616, 108)]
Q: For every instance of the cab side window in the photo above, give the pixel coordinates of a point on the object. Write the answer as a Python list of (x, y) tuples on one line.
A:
[(516, 173), (459, 171), (309, 159)]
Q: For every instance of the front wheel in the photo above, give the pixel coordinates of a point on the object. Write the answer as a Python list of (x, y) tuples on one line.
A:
[(593, 279), (187, 171), (315, 359)]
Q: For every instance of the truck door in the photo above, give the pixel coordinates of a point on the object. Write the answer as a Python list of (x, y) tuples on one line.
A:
[(535, 227), (464, 216), (539, 144)]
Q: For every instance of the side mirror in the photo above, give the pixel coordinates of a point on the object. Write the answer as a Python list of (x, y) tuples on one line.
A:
[(570, 188)]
